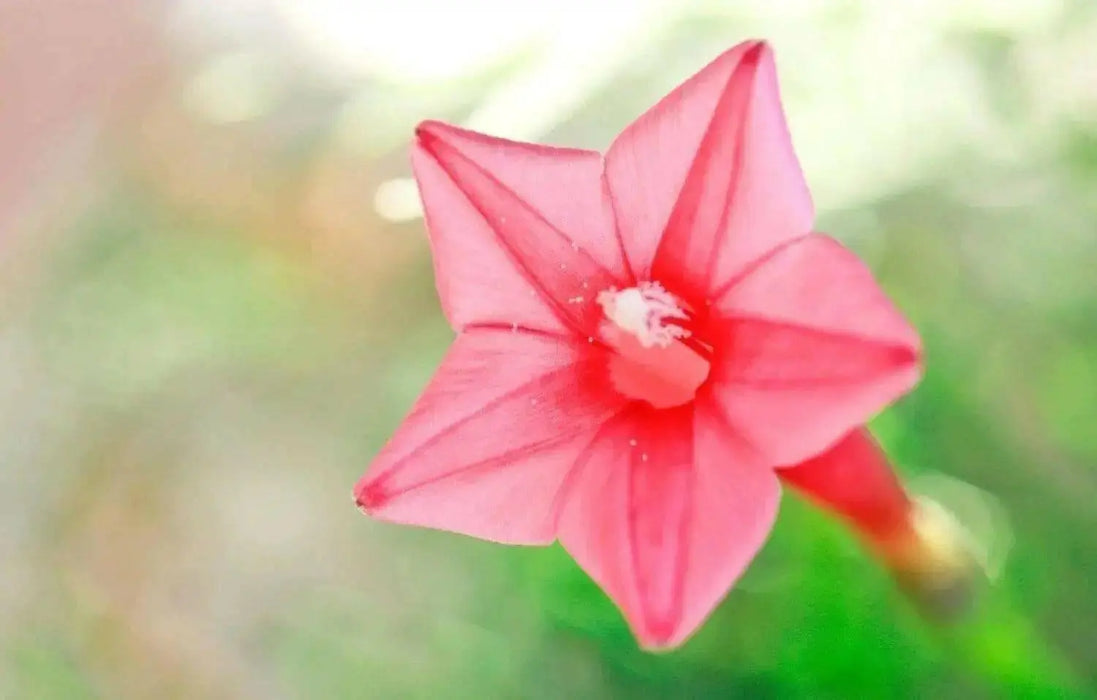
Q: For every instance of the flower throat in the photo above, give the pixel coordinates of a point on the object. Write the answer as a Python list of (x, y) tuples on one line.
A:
[(649, 329)]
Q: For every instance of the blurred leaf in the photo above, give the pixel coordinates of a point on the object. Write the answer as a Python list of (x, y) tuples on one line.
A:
[(43, 671)]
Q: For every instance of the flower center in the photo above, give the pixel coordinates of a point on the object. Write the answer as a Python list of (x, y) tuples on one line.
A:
[(656, 359), (647, 312)]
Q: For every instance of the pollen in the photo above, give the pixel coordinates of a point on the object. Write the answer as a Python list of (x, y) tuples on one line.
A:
[(645, 311)]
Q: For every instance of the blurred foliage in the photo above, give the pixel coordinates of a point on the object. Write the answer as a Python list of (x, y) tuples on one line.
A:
[(215, 329)]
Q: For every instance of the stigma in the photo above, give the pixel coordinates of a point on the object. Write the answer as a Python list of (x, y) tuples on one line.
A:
[(647, 312)]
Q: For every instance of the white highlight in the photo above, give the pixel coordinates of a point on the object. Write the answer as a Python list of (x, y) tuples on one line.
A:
[(644, 311), (233, 88), (397, 200)]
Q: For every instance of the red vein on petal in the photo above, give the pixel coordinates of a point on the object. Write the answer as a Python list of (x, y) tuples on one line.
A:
[(581, 461), (859, 338), (661, 622), (687, 523), (559, 308), (617, 227), (630, 528), (482, 465), (640, 577), (524, 330), (741, 132), (753, 266), (502, 398), (694, 178), (802, 383), (713, 409), (681, 553)]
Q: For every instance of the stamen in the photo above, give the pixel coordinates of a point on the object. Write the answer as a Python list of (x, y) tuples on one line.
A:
[(646, 311)]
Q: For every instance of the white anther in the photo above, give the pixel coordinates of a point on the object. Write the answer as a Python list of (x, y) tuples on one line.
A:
[(644, 311)]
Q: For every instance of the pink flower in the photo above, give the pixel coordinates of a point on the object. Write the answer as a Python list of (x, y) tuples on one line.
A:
[(642, 337)]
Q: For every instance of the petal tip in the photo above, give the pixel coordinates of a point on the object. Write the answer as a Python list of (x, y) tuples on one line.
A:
[(659, 639), (427, 126), (755, 47), (911, 351), (429, 131), (370, 495), (750, 52), (907, 354)]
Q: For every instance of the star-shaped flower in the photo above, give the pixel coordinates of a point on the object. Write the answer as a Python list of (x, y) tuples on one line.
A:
[(642, 338)]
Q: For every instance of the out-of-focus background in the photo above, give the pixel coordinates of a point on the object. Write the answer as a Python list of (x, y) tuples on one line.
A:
[(216, 303)]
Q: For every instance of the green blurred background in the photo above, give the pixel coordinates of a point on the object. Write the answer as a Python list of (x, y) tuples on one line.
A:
[(216, 303)]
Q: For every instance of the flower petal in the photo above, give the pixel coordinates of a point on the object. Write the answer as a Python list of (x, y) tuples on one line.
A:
[(707, 180), (810, 349), (664, 512), (520, 233), (489, 443)]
